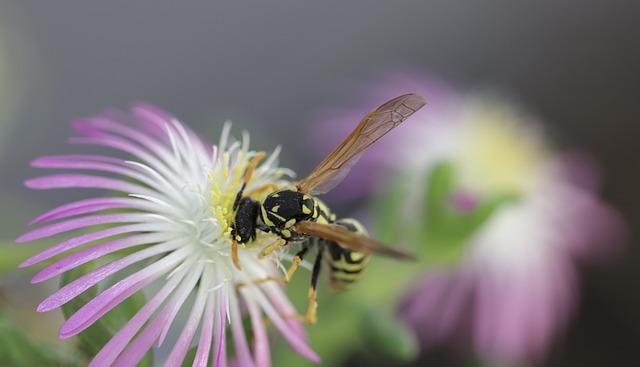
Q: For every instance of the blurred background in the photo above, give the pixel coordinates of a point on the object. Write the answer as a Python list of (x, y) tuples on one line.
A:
[(270, 66)]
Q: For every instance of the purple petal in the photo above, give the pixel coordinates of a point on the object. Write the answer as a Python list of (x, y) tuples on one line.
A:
[(152, 119), (158, 120), (281, 302), (99, 124), (243, 354), (193, 321), (64, 181), (61, 161), (260, 339), (129, 147), (196, 274), (143, 342), (110, 298), (219, 337), (93, 205), (115, 345), (79, 162), (436, 306), (74, 288), (206, 334), (81, 240), (94, 252), (299, 345), (77, 223), (162, 150)]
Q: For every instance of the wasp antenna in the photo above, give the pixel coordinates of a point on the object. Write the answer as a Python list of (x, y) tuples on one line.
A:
[(252, 166)]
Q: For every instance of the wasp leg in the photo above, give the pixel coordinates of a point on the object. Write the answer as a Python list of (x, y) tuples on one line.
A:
[(234, 254), (292, 269), (272, 246), (311, 317)]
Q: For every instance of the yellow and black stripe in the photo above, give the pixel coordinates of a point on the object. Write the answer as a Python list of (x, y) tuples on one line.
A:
[(344, 266)]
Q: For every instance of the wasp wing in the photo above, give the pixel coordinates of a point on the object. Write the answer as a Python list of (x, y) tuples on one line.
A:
[(377, 123), (347, 238)]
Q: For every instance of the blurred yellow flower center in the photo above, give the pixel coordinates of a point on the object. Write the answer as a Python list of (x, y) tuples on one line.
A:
[(501, 153)]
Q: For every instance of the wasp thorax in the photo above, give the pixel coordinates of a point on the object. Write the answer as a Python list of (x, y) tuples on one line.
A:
[(284, 208)]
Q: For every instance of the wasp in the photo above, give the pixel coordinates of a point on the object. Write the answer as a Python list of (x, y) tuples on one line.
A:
[(294, 214)]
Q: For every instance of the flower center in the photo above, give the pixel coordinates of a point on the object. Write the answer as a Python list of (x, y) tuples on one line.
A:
[(500, 154), (224, 185)]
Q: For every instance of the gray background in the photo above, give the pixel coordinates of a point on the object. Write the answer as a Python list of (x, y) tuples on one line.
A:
[(266, 64)]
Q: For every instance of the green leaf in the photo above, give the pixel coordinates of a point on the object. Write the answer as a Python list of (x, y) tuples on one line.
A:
[(445, 231), (191, 355), (388, 210), (440, 184), (437, 236), (18, 349), (93, 338), (467, 224)]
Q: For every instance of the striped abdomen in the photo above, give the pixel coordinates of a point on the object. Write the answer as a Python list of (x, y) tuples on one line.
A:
[(344, 266)]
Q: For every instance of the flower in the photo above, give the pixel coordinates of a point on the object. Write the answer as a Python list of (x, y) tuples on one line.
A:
[(512, 285), (166, 233)]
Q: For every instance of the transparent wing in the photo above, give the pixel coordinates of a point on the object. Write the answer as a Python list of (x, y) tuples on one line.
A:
[(377, 123), (347, 238)]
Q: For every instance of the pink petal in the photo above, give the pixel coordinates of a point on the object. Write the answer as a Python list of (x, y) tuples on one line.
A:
[(129, 147), (71, 224), (143, 342), (94, 252), (79, 162), (157, 120), (83, 239), (103, 124), (193, 321), (261, 341), (152, 119), (76, 161), (163, 151), (206, 333), (115, 345), (299, 345), (281, 302), (219, 336), (243, 354), (107, 300), (65, 181), (92, 205), (196, 274), (71, 290)]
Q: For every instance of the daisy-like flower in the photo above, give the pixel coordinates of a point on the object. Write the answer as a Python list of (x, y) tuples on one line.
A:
[(513, 286), (166, 233)]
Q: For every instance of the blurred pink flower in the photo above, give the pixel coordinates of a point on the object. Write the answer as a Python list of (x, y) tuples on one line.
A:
[(514, 288), (171, 215)]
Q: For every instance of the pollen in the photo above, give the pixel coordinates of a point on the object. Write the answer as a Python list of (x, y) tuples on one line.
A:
[(224, 185)]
